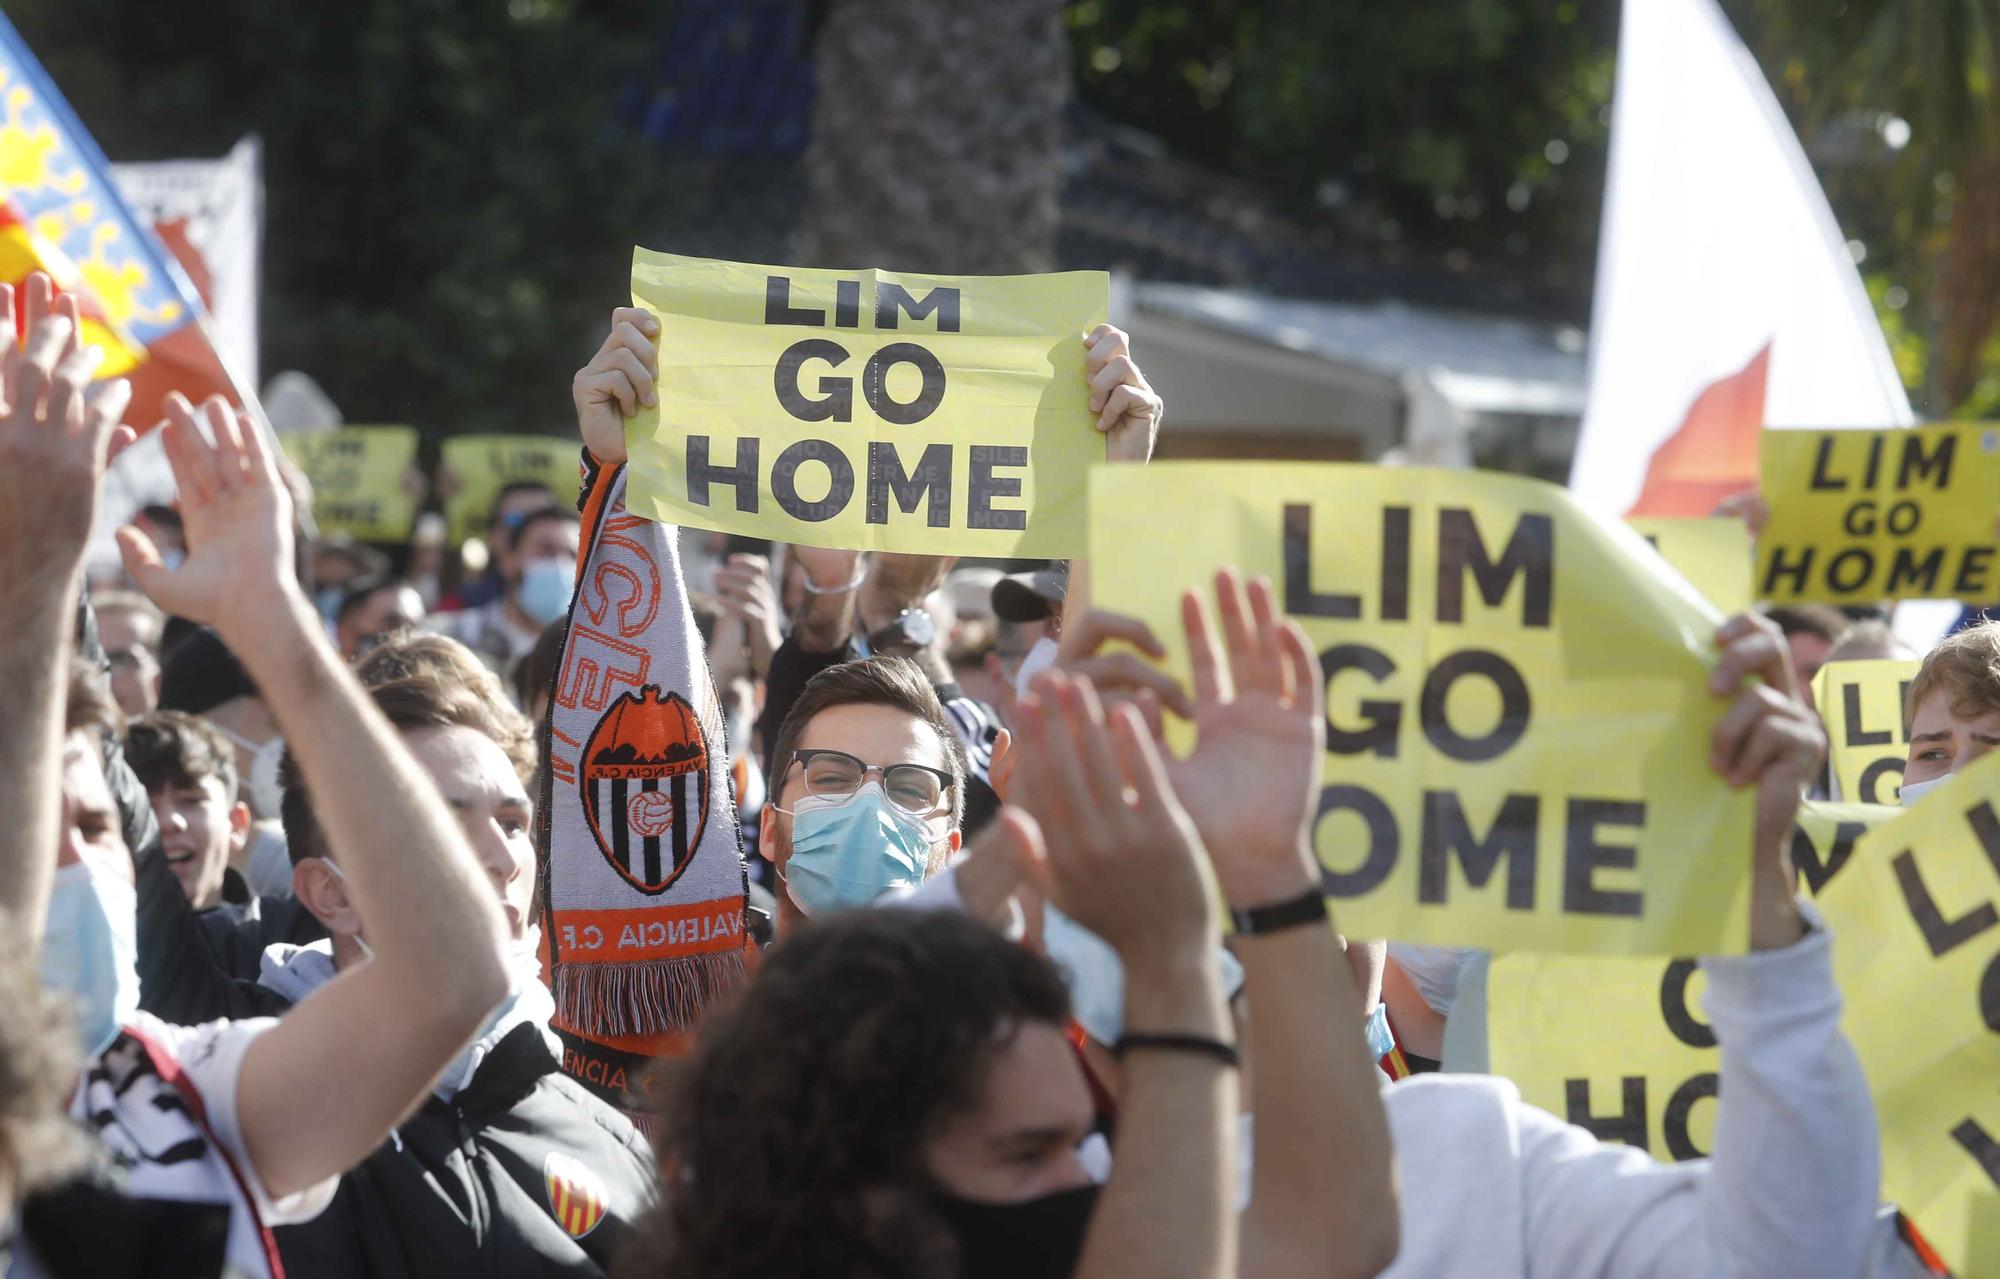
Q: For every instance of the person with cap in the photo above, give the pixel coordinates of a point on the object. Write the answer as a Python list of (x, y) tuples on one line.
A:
[(201, 676), (1029, 609)]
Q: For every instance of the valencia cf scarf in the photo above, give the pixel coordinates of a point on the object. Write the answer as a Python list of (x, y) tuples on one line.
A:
[(641, 891)]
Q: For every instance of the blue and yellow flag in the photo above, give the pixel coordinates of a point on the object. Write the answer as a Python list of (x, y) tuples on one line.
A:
[(61, 213)]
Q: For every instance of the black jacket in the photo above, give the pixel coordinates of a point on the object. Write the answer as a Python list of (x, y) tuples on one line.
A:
[(475, 1186)]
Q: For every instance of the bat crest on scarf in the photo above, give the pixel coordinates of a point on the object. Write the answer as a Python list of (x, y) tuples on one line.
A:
[(642, 889)]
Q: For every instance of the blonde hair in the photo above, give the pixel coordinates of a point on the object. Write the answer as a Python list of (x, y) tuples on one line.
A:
[(1965, 665)]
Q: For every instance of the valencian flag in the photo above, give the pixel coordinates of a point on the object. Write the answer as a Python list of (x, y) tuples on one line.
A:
[(61, 213)]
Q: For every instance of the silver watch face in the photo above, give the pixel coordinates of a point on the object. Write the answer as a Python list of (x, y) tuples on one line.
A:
[(918, 627)]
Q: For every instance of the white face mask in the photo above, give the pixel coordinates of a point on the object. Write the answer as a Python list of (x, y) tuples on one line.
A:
[(90, 951), (267, 793), (1911, 792)]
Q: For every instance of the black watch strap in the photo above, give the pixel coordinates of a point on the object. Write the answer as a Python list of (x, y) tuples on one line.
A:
[(1308, 907)]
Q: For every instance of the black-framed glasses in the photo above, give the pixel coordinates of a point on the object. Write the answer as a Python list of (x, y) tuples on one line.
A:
[(917, 789)]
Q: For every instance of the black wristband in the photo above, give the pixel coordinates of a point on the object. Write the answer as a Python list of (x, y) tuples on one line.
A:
[(1308, 907), (1200, 1045)]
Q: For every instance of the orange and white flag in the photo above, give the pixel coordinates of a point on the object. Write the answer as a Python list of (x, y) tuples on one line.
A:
[(1726, 298)]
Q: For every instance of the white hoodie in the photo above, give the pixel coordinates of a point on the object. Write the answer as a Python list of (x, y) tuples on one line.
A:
[(1493, 1188)]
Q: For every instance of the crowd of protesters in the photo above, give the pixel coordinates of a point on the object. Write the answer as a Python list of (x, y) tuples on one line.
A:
[(272, 991)]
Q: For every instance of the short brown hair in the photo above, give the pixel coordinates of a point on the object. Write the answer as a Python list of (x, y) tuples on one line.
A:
[(1966, 665), (426, 699), (420, 656), (895, 682), (173, 748)]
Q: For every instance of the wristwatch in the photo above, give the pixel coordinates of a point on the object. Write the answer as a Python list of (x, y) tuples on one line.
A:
[(912, 629), (1308, 907)]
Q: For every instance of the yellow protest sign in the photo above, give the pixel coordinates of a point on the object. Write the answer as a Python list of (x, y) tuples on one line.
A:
[(1518, 721), (1824, 837), (1917, 925), (1713, 554), (936, 415), (479, 466), (359, 478), (1619, 1045), (1611, 1043), (1861, 704), (1860, 516)]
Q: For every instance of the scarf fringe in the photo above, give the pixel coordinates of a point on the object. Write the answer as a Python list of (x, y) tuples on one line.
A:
[(650, 1125), (647, 997)]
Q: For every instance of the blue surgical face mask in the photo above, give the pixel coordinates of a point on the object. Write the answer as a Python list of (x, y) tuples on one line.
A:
[(847, 852), (546, 587), (1911, 792), (90, 952)]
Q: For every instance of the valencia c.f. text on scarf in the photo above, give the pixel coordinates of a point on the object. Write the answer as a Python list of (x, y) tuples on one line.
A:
[(642, 891)]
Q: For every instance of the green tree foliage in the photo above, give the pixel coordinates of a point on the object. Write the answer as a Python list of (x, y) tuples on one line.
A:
[(1472, 128), (450, 209), (1475, 131), (1925, 75)]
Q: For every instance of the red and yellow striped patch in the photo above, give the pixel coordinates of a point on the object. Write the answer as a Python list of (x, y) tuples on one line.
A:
[(576, 1195)]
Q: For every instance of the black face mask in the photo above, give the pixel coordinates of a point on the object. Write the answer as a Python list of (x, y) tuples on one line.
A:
[(1034, 1239)]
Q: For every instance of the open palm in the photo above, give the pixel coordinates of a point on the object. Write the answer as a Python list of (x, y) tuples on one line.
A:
[(1250, 782), (237, 515)]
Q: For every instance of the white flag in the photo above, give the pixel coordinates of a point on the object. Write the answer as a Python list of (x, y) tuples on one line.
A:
[(1726, 299), (210, 213)]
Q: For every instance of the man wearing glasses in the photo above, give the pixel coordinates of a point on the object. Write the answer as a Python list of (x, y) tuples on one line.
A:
[(869, 788)]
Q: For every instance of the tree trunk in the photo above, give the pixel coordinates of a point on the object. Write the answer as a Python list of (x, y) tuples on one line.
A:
[(935, 136), (1968, 282)]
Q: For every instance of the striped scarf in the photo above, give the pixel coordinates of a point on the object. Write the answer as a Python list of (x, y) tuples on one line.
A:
[(642, 889)]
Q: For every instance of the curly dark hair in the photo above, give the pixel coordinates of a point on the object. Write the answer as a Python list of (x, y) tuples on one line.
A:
[(793, 1141)]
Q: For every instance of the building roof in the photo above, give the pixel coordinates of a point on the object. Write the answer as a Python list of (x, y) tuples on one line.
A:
[(1479, 362)]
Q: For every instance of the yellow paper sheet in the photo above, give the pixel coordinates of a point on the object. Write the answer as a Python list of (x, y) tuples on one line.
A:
[(358, 476), (935, 415), (1826, 835), (1519, 724), (1916, 920), (1620, 1045), (482, 465), (1616, 1044), (1713, 554), (1861, 516), (1861, 704)]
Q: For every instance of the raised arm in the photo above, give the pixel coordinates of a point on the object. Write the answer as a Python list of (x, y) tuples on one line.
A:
[(1129, 412), (327, 1084), (1323, 1186), (1124, 862), (1792, 1183), (53, 438)]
